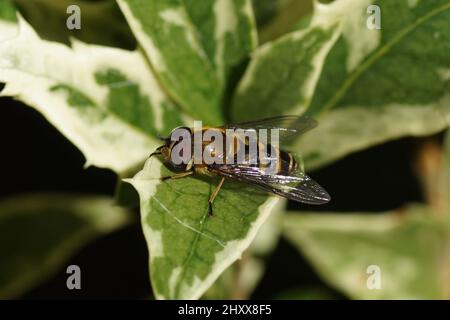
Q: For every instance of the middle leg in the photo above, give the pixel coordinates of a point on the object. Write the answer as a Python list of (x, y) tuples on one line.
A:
[(213, 196)]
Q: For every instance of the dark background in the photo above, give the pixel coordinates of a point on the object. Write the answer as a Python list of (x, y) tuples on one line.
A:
[(36, 157)]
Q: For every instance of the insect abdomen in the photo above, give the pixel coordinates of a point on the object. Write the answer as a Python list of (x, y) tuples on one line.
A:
[(287, 163)]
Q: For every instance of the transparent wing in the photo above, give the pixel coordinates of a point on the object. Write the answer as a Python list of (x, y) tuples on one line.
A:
[(297, 186), (289, 126)]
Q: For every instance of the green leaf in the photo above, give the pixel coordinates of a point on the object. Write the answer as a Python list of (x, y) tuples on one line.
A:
[(101, 21), (282, 75), (238, 281), (379, 85), (443, 184), (39, 233), (103, 99), (408, 248), (192, 45), (277, 17), (189, 249), (7, 11), (8, 20), (265, 10)]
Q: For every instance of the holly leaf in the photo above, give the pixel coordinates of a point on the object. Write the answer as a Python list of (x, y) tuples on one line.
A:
[(39, 233)]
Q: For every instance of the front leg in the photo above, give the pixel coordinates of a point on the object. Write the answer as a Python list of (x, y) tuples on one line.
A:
[(177, 175)]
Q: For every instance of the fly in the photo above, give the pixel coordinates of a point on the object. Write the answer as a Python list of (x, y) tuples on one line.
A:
[(281, 176)]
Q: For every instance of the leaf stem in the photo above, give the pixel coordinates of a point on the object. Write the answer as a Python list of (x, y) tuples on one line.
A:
[(238, 291), (428, 166)]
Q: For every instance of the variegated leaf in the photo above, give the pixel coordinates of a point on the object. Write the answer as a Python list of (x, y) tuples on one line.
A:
[(38, 233), (188, 248), (383, 256), (283, 74), (101, 22), (242, 277), (104, 100), (193, 45), (380, 84)]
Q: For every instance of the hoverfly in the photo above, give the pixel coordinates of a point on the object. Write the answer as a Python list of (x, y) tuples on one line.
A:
[(286, 179)]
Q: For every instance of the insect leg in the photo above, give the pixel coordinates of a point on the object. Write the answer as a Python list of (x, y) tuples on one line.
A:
[(177, 176), (154, 154), (213, 196)]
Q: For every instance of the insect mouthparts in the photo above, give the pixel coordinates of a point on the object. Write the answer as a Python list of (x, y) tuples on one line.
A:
[(160, 137)]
